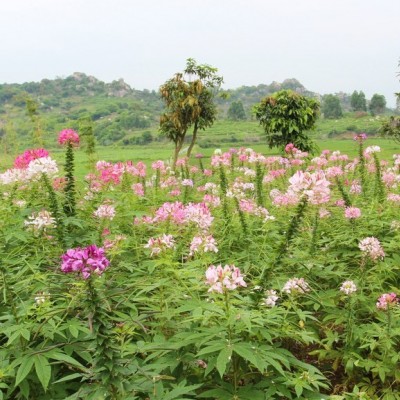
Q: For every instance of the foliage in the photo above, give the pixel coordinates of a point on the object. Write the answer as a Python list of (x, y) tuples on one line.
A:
[(309, 311), (188, 98), (358, 101), (377, 104), (236, 111), (331, 107), (286, 116)]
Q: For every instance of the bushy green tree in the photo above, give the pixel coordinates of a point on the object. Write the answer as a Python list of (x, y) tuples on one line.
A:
[(358, 101), (377, 104), (236, 111), (188, 98), (286, 116), (331, 107)]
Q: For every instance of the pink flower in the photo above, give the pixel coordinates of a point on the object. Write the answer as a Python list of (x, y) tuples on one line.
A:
[(160, 244), (203, 244), (227, 278), (271, 299), (138, 189), (22, 161), (352, 212), (296, 285), (85, 261), (386, 300), (105, 211), (371, 247), (68, 136), (360, 137)]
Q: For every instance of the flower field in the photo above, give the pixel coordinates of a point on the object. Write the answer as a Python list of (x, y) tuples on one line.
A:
[(240, 277)]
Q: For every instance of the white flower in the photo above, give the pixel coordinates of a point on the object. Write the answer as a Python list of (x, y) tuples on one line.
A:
[(40, 166), (348, 287)]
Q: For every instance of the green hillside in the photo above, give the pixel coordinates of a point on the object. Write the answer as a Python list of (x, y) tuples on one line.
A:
[(31, 113)]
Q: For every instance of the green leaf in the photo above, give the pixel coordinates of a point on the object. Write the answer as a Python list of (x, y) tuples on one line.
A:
[(43, 370), (223, 358), (178, 391), (248, 353), (24, 369), (69, 377), (55, 355)]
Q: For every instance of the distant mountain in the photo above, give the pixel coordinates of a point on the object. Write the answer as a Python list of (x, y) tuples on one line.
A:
[(116, 109)]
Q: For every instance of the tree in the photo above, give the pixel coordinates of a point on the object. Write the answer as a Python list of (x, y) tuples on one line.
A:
[(285, 117), (188, 98), (358, 101), (331, 107), (377, 104), (236, 111)]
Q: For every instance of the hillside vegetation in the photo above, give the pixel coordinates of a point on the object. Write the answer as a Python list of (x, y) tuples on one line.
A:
[(31, 112)]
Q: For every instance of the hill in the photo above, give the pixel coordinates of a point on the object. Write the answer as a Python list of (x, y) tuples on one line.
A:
[(122, 114)]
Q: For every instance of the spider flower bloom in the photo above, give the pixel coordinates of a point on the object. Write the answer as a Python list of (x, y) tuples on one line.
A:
[(348, 287), (221, 279), (160, 244), (360, 137), (296, 285), (68, 136), (271, 299), (40, 221), (22, 161), (371, 247), (352, 212), (43, 165), (386, 300), (203, 244), (85, 261), (105, 211)]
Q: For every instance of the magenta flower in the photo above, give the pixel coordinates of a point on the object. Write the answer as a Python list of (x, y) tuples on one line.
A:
[(221, 279), (68, 136), (85, 261)]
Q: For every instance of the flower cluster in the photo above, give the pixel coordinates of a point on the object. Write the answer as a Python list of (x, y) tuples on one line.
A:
[(68, 136), (203, 243), (105, 211), (224, 278), (41, 221), (160, 244), (371, 247), (85, 261), (352, 212), (348, 287), (296, 285), (386, 300), (40, 166), (271, 299), (314, 186), (22, 161)]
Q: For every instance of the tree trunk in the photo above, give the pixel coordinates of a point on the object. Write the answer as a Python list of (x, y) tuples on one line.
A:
[(178, 147), (194, 137)]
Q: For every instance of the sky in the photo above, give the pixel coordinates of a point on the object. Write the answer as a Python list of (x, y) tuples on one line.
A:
[(330, 46)]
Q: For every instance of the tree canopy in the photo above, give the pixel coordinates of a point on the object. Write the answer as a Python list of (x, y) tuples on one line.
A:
[(358, 101), (331, 107), (188, 99), (236, 111), (286, 116), (377, 104)]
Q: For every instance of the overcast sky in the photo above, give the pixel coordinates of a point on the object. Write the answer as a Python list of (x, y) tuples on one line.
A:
[(328, 45)]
